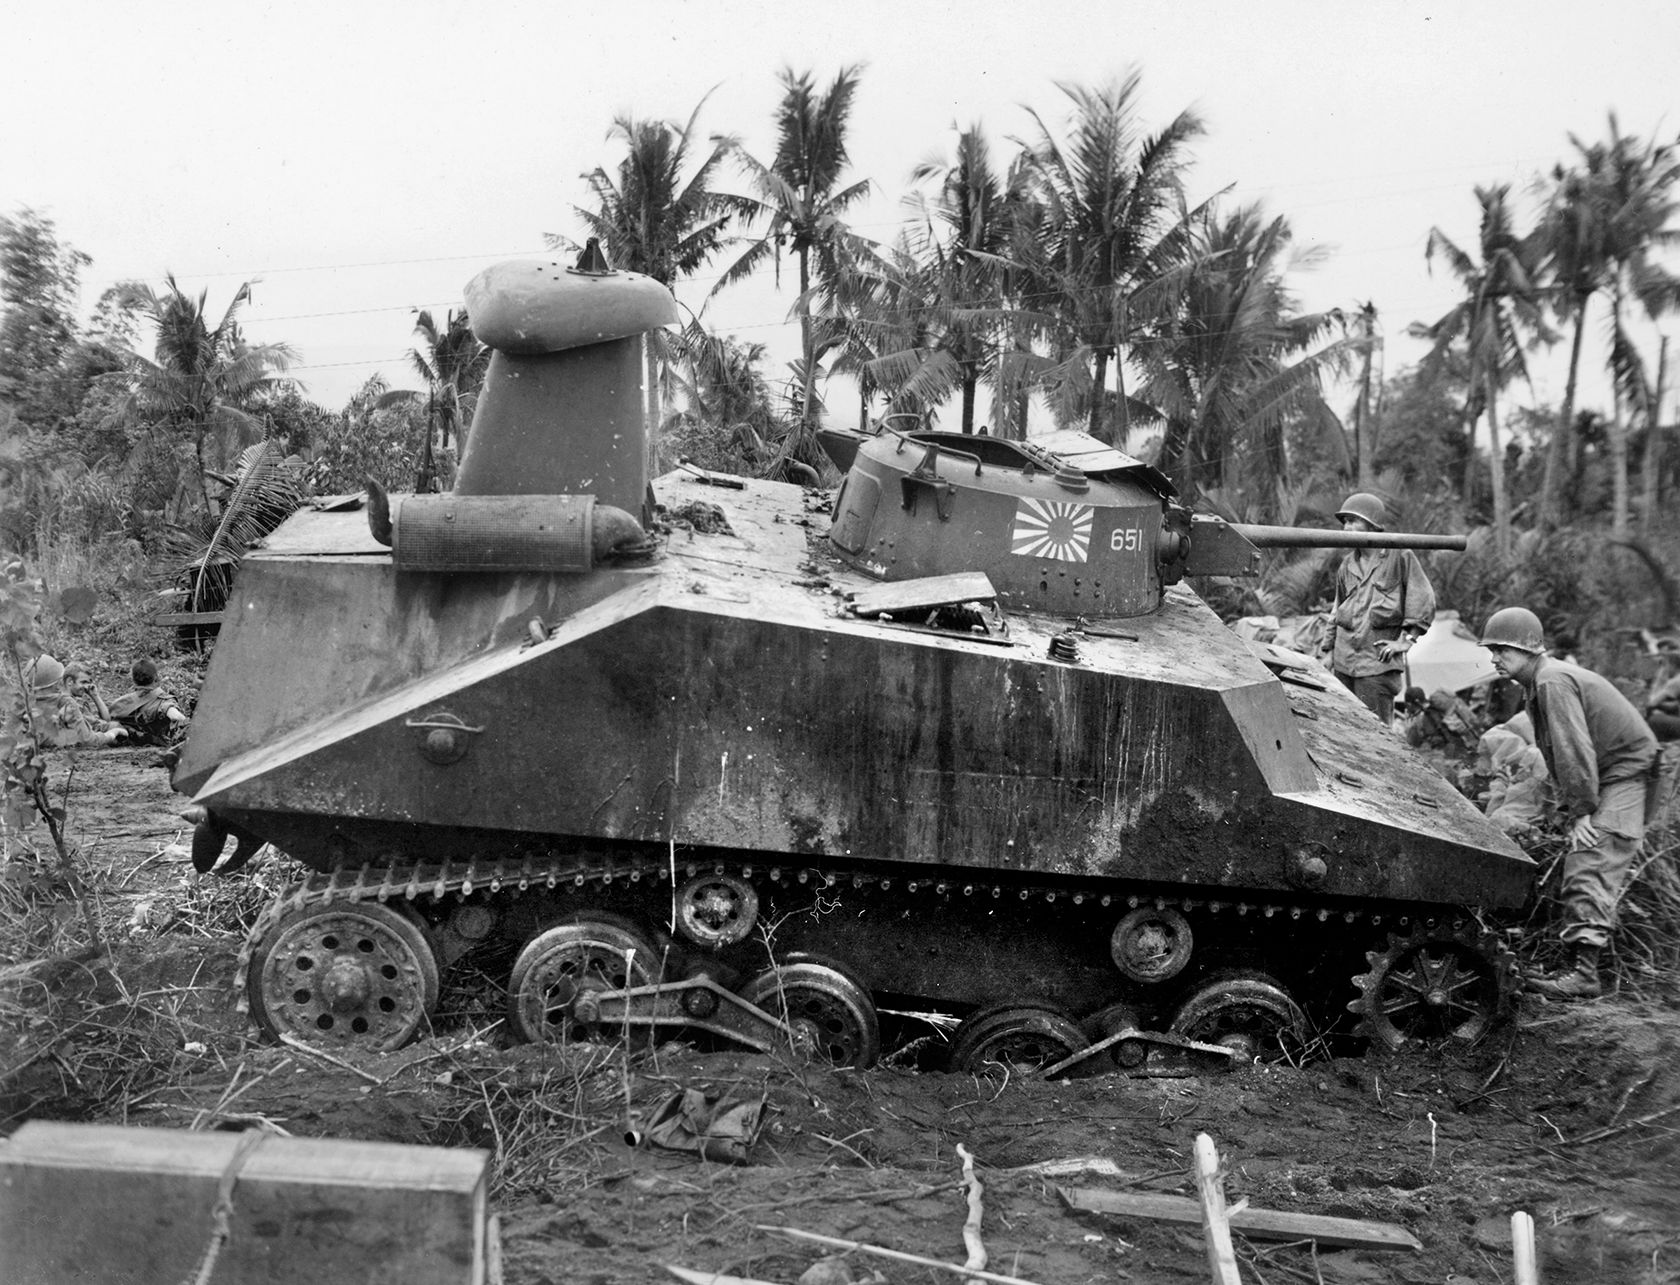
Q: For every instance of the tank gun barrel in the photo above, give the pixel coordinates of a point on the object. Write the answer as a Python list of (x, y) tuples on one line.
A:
[(1290, 537), (1221, 548)]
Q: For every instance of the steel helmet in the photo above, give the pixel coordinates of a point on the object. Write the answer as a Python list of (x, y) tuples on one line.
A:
[(45, 672), (1514, 627), (1362, 504)]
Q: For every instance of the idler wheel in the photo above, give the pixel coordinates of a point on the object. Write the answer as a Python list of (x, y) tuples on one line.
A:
[(1151, 945), (716, 909), (360, 974), (1019, 1038), (1434, 985), (559, 966), (830, 1013), (1249, 1013)]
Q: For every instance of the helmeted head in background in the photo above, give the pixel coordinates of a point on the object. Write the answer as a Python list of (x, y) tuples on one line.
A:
[(44, 673), (1368, 508)]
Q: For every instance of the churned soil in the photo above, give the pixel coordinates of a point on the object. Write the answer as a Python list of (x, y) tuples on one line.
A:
[(1572, 1114)]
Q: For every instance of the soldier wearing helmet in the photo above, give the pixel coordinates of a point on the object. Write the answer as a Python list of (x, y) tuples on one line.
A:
[(1602, 757), (1384, 602), (56, 713)]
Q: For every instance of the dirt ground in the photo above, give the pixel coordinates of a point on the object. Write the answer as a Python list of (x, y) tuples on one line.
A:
[(1572, 1114)]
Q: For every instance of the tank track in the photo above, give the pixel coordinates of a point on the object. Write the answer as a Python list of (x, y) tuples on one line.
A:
[(435, 881)]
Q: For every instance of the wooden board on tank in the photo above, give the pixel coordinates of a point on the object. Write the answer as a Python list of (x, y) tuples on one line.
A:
[(924, 594)]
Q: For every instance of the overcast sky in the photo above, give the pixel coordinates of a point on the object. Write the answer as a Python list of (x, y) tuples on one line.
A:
[(366, 159)]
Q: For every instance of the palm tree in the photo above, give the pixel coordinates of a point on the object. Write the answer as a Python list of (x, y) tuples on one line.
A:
[(1497, 319), (452, 362), (1114, 223), (1605, 216), (202, 378), (1637, 212), (1235, 364), (660, 215), (800, 198), (958, 270)]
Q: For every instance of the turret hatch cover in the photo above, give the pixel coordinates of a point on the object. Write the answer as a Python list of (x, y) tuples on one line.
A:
[(1095, 458)]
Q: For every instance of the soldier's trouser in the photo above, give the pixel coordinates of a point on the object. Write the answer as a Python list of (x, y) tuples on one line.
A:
[(1376, 690), (1595, 878)]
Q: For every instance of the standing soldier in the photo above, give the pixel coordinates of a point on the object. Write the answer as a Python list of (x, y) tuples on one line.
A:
[(1384, 603), (1601, 755)]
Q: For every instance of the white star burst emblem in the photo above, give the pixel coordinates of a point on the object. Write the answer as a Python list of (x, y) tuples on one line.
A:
[(1051, 529)]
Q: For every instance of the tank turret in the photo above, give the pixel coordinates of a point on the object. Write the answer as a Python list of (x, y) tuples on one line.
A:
[(963, 736), (1059, 523)]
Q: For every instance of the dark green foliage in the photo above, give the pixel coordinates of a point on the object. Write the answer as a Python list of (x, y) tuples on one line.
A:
[(379, 435), (40, 280), (291, 420)]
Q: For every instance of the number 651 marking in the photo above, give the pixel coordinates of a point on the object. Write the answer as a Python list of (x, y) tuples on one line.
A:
[(1126, 539)]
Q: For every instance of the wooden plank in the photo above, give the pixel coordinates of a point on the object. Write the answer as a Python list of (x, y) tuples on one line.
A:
[(1216, 1229), (101, 1203), (1257, 1224), (187, 618), (925, 593)]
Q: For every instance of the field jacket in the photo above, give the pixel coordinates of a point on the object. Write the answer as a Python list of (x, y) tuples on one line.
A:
[(1591, 735), (1382, 595)]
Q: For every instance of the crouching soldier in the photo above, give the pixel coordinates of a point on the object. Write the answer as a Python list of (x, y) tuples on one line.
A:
[(1601, 755)]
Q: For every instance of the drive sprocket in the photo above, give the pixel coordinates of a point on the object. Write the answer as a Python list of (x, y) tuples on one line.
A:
[(1438, 983)]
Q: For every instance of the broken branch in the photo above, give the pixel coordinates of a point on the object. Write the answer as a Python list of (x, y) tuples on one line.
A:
[(861, 1248)]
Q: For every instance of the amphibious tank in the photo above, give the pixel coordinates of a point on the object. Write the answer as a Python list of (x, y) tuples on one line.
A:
[(729, 755)]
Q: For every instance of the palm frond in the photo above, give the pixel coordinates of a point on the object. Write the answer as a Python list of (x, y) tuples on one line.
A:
[(264, 494)]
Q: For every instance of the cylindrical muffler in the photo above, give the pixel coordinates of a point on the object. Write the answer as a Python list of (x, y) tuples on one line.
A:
[(493, 533)]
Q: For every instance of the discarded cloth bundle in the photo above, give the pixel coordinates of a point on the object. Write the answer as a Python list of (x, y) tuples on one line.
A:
[(688, 1120)]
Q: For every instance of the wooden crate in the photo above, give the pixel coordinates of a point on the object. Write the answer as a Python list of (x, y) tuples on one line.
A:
[(101, 1203)]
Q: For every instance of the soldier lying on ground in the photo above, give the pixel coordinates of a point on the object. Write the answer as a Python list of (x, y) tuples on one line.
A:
[(59, 718), (148, 712)]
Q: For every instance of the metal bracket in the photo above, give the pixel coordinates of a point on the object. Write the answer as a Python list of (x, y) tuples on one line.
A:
[(695, 1003), (925, 475), (1142, 1039)]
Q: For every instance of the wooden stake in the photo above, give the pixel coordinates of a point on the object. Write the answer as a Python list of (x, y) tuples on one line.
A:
[(1222, 1258), (971, 1228), (1522, 1249)]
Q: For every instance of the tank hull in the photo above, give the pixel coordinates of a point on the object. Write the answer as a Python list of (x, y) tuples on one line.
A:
[(722, 700)]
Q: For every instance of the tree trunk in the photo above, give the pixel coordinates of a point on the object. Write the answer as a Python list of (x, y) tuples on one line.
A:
[(203, 482), (1363, 447), (1471, 460), (1097, 392), (1501, 501), (970, 378), (1653, 446), (651, 405), (1122, 435), (806, 341), (1557, 451), (1617, 432)]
